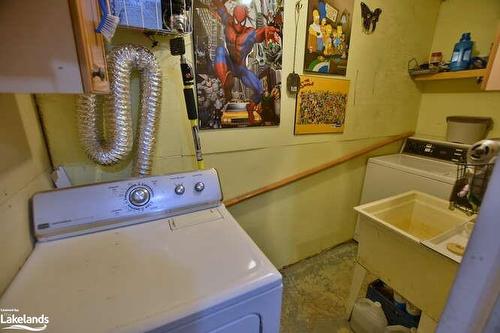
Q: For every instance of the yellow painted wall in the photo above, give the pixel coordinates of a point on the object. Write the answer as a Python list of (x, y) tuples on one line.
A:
[(313, 214), (460, 97), (24, 169)]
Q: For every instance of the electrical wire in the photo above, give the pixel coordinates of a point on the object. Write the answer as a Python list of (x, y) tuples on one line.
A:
[(298, 7)]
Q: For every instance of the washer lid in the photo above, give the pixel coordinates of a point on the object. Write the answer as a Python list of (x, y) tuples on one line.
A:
[(140, 277), (425, 167)]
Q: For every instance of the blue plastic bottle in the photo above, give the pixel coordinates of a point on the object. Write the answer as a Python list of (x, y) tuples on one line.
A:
[(462, 53)]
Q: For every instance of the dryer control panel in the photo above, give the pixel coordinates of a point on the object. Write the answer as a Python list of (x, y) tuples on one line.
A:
[(446, 151), (84, 209)]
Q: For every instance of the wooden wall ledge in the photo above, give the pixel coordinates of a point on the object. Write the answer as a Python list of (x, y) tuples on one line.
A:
[(315, 170)]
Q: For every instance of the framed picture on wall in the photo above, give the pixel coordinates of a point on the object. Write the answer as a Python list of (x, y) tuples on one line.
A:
[(328, 36), (321, 105)]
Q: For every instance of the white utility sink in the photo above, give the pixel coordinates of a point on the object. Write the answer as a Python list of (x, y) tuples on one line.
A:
[(415, 215), (404, 241)]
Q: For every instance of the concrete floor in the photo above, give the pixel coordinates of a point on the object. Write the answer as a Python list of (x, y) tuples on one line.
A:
[(316, 289)]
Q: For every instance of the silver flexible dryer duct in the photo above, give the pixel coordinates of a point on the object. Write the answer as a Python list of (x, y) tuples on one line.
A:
[(112, 141)]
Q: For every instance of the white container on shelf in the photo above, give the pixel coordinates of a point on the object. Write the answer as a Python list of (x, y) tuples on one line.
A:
[(468, 130), (368, 317)]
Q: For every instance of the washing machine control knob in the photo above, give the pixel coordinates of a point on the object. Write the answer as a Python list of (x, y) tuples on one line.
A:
[(199, 186), (139, 196), (180, 189)]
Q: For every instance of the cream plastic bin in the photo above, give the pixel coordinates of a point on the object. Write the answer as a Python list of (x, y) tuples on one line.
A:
[(467, 129)]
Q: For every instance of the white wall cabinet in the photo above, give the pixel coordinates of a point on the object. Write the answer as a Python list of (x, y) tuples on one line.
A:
[(492, 78), (51, 47)]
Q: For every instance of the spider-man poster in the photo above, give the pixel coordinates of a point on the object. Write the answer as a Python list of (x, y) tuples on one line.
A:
[(238, 48)]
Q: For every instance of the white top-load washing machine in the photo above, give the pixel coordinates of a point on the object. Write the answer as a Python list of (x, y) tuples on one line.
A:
[(424, 165), (155, 254)]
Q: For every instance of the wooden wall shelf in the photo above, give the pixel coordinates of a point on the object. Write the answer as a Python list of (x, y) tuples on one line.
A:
[(472, 73)]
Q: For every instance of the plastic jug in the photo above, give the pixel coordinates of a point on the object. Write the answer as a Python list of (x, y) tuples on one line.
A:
[(368, 317), (462, 53)]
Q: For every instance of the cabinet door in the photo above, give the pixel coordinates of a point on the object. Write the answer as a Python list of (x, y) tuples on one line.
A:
[(492, 78), (38, 50), (90, 46)]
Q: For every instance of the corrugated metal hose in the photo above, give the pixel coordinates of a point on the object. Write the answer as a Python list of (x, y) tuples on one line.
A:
[(107, 136)]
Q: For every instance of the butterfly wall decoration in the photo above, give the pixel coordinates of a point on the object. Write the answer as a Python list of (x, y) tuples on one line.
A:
[(370, 18)]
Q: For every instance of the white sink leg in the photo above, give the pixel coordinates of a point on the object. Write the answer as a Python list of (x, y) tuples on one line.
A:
[(357, 281)]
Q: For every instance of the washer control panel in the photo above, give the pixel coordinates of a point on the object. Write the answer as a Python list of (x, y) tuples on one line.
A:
[(73, 211), (446, 151)]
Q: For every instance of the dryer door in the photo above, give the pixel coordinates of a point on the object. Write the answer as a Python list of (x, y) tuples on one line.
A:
[(256, 313)]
